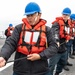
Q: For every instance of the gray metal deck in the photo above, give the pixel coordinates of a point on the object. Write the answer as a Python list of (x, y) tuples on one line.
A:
[(9, 70)]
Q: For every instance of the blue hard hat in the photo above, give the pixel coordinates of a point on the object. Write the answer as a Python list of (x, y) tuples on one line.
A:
[(10, 25), (32, 8), (72, 16), (66, 11)]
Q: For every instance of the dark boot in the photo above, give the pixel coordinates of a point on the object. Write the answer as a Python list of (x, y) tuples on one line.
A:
[(56, 73), (69, 64), (71, 56), (73, 53), (66, 68)]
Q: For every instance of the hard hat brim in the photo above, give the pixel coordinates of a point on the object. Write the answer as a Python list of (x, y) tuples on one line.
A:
[(73, 19), (66, 13), (29, 13)]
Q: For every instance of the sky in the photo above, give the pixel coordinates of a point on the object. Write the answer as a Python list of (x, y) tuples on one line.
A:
[(12, 11)]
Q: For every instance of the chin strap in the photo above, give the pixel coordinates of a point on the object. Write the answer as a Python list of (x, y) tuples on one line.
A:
[(35, 18)]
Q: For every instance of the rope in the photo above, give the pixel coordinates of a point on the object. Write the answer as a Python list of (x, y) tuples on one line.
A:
[(16, 59)]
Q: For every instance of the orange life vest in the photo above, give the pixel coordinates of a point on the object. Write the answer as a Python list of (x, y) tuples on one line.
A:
[(63, 33), (10, 30), (73, 29), (37, 43)]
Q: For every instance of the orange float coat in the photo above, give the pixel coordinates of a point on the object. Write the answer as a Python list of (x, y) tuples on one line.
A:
[(10, 30), (62, 32), (29, 47)]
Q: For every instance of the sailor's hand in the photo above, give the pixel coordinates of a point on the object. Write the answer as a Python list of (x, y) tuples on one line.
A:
[(33, 57), (72, 38), (58, 44), (67, 41), (2, 62)]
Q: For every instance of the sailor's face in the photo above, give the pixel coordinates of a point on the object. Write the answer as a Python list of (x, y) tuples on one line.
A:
[(65, 16), (33, 19)]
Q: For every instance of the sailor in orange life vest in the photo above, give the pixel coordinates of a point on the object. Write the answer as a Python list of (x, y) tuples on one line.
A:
[(29, 40), (9, 30), (72, 17), (61, 27), (72, 31)]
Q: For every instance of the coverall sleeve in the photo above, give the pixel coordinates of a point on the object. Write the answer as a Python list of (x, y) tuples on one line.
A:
[(52, 46)]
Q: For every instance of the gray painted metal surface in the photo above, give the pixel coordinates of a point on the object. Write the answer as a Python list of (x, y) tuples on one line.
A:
[(9, 70)]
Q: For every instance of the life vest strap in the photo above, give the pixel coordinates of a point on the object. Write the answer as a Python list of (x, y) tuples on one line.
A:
[(29, 46)]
